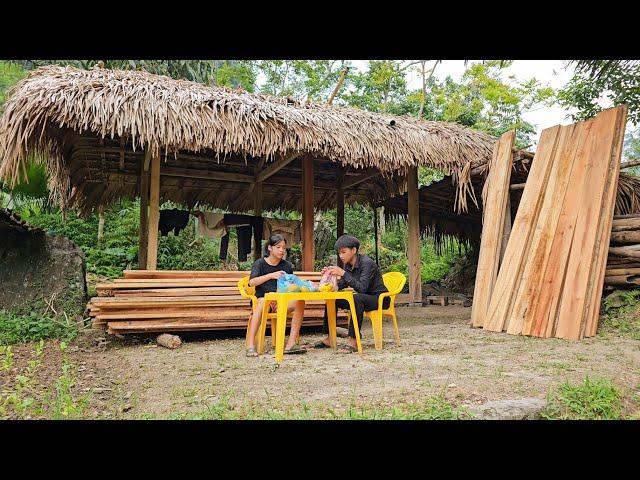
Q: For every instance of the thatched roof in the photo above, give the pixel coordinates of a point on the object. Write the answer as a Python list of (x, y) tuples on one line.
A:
[(81, 123)]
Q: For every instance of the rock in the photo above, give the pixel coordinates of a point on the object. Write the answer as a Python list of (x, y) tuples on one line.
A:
[(169, 341), (520, 409)]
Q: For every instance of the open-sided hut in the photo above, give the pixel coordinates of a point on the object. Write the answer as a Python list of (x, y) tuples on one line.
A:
[(109, 134)]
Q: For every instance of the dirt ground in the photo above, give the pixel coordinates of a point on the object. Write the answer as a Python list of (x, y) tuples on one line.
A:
[(439, 354)]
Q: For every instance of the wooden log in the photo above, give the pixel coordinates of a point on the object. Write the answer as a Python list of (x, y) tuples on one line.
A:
[(169, 341), (624, 237), (630, 251), (621, 271), (631, 223), (622, 280)]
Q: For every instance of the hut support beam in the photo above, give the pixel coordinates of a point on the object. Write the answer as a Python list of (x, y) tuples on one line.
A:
[(375, 232), (340, 212), (413, 253), (143, 239), (154, 212), (307, 214), (257, 211)]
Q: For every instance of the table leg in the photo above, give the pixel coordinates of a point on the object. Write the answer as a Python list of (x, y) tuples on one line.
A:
[(281, 328), (331, 320), (354, 320)]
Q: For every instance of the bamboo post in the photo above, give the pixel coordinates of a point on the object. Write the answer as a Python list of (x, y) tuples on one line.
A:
[(307, 214), (257, 211), (143, 239), (154, 211), (413, 253)]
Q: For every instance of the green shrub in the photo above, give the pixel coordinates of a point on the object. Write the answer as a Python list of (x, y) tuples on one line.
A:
[(33, 327)]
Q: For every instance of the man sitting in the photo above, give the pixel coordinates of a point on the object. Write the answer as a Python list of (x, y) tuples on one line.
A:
[(363, 275)]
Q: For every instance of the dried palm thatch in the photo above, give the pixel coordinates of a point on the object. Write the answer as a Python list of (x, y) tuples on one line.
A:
[(54, 106)]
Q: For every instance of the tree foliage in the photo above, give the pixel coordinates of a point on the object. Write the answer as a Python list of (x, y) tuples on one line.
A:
[(616, 80)]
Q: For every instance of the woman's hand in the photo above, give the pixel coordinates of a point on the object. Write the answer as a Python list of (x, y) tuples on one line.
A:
[(276, 275)]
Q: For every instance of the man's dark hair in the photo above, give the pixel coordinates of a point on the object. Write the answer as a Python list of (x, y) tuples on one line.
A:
[(347, 241)]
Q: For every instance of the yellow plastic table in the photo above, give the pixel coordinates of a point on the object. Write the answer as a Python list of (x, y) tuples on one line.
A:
[(283, 300)]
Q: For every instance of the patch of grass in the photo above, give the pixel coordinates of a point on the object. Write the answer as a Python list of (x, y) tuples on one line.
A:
[(622, 314), (25, 400), (16, 328), (432, 408), (65, 405), (593, 399)]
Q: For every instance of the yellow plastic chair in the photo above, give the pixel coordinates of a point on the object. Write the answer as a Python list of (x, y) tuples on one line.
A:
[(394, 281), (249, 293)]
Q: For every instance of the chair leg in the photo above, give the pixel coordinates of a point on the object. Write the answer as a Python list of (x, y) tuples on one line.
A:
[(395, 327), (376, 326), (261, 333)]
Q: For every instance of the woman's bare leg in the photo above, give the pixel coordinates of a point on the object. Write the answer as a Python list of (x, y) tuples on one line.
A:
[(255, 323), (296, 322)]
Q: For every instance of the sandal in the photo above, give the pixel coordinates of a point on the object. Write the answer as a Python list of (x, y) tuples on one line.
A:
[(321, 344), (347, 349), (251, 352), (295, 350)]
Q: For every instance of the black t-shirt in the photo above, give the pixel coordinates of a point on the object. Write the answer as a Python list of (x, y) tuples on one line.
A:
[(261, 267)]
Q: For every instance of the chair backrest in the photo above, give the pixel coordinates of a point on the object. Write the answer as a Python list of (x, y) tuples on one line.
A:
[(394, 281), (244, 288)]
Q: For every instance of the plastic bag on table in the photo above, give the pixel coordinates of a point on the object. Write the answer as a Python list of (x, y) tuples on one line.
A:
[(289, 283), (328, 283)]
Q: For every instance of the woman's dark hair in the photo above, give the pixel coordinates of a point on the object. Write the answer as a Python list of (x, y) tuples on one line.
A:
[(348, 241), (274, 239)]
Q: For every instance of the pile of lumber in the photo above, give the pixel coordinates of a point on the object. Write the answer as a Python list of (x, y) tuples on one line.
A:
[(549, 280), (179, 301), (623, 263)]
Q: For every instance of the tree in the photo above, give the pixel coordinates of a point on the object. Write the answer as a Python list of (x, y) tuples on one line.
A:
[(228, 73), (617, 80)]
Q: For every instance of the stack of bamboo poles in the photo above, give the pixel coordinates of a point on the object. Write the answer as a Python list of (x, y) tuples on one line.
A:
[(623, 263), (550, 279), (172, 301)]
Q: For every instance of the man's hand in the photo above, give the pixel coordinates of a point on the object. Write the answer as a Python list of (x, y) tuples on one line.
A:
[(276, 275), (339, 272)]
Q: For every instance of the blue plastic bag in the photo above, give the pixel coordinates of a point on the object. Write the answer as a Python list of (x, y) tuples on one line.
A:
[(289, 283)]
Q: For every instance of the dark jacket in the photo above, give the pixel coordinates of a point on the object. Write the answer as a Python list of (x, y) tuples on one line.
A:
[(365, 277)]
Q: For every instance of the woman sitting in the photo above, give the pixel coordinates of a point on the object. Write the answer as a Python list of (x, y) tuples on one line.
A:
[(265, 273)]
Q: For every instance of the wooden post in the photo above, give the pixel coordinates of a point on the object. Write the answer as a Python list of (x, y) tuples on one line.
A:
[(154, 211), (100, 224), (413, 253), (143, 239), (307, 214), (257, 211), (340, 211), (375, 231)]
